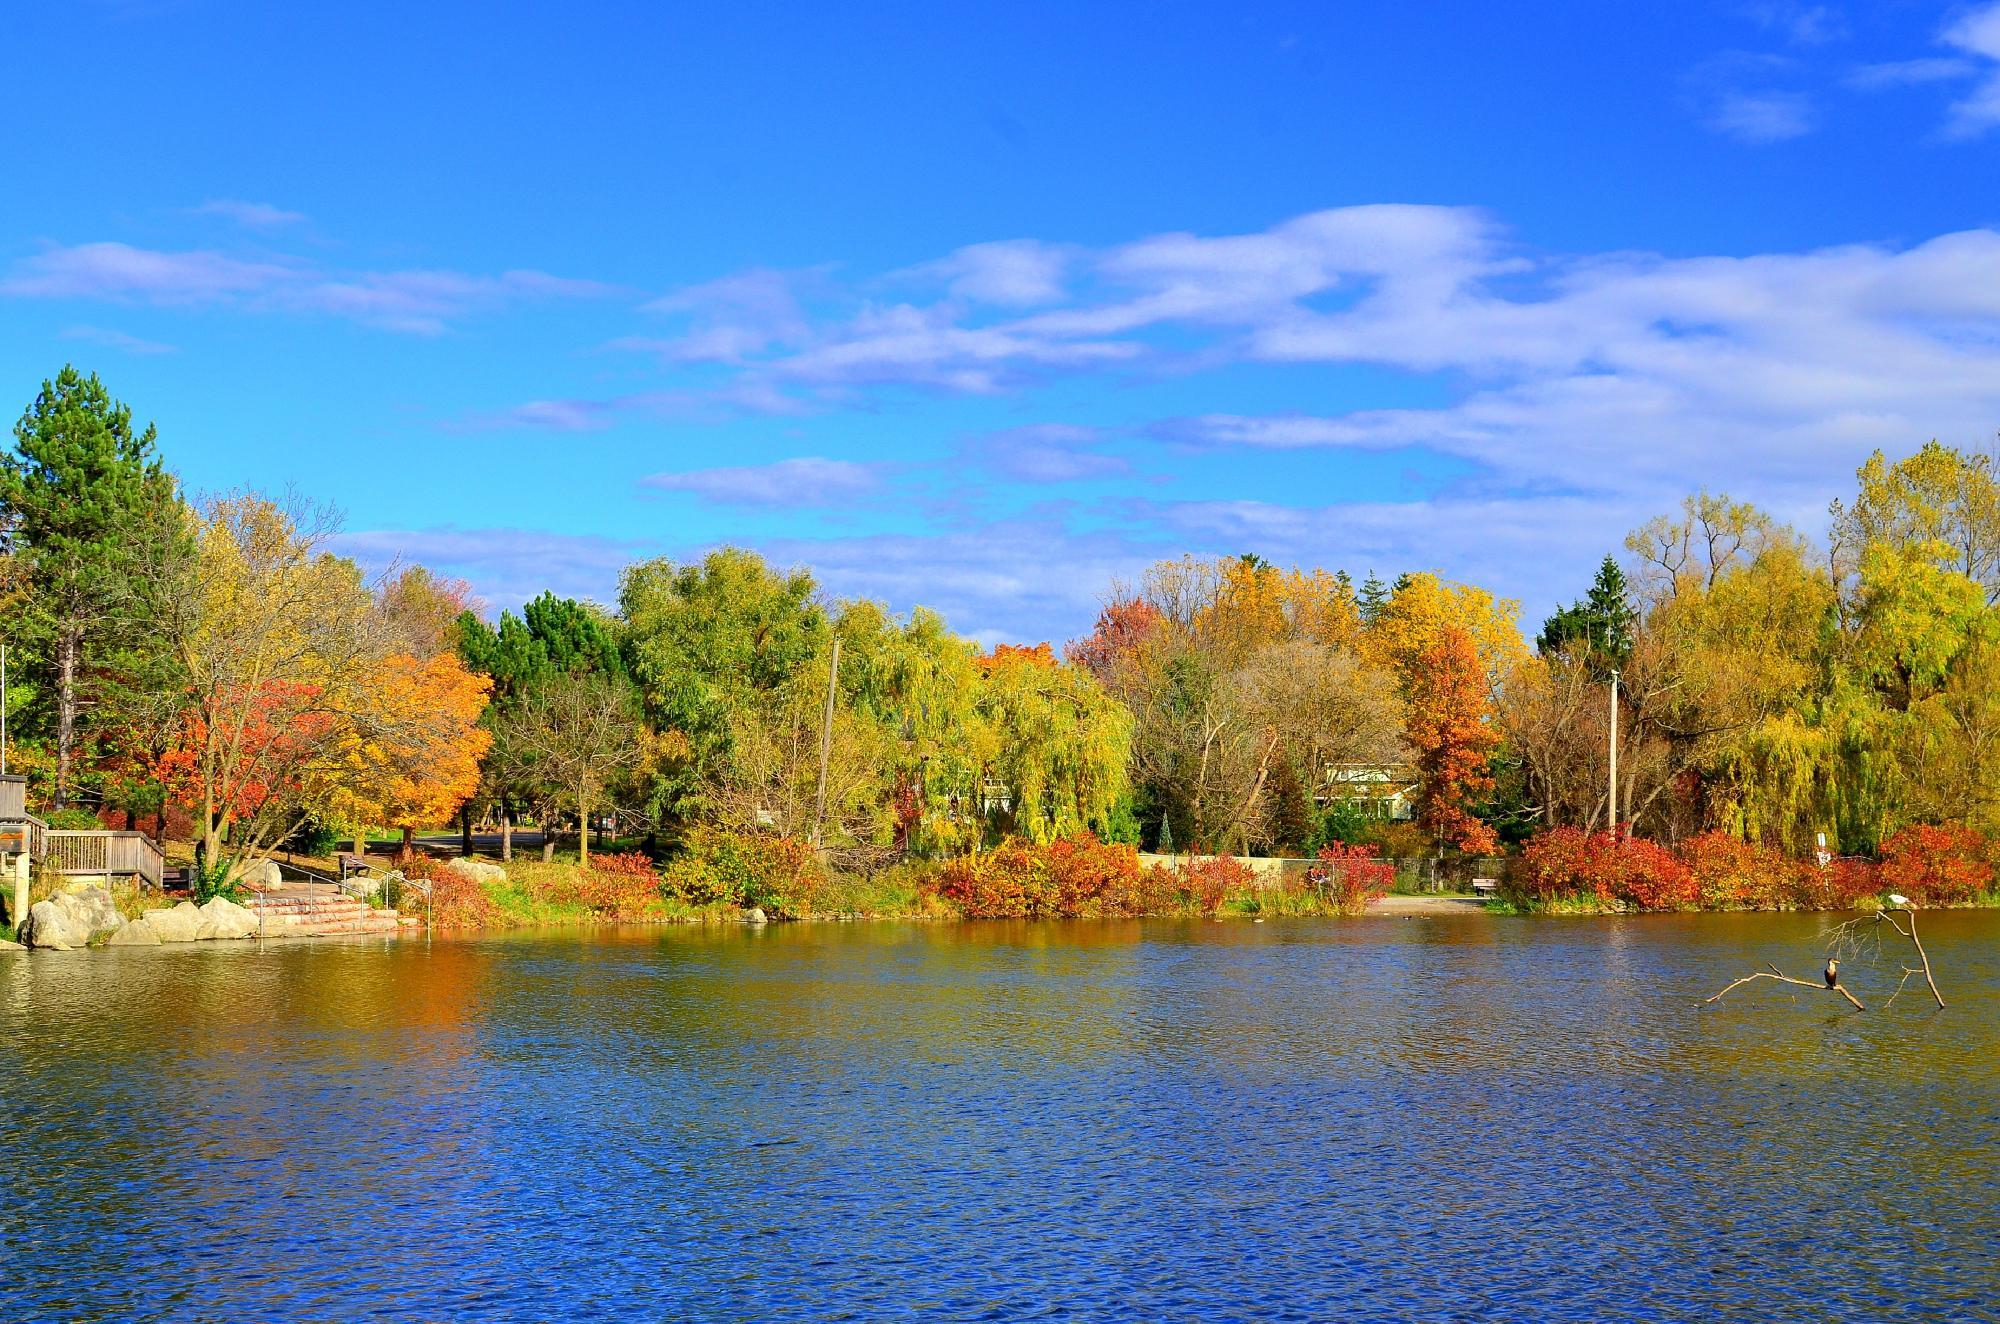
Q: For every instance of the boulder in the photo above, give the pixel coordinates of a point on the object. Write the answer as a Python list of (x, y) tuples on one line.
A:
[(70, 919), (263, 875), (479, 871), (183, 923), (755, 915), (134, 933), (6, 946), (228, 919)]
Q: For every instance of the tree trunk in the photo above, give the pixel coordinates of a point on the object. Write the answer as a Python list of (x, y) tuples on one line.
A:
[(69, 647), (582, 832), (361, 842), (407, 849), (506, 833), (465, 828)]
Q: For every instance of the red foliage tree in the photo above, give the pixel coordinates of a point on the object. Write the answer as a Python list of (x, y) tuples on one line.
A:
[(1121, 628)]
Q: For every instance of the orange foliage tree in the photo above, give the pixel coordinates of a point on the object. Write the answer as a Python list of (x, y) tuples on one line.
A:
[(1448, 729), (412, 757)]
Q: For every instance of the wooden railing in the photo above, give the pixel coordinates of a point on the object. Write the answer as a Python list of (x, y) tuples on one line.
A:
[(110, 854)]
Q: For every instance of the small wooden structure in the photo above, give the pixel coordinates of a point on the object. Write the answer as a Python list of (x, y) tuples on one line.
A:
[(104, 853)]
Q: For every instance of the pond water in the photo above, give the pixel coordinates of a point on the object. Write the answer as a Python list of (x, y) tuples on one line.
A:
[(1449, 1118)]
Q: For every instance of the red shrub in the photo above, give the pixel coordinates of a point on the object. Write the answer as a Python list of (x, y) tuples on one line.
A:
[(1566, 864), (1652, 877), (1841, 885), (1204, 882), (1017, 879), (1730, 873), (1348, 877), (1937, 866)]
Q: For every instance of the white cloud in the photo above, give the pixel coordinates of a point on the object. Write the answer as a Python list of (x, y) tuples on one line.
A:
[(806, 481), (1012, 273), (1977, 33), (1762, 117), (506, 567), (254, 215), (1909, 73), (119, 340), (1045, 453), (419, 302)]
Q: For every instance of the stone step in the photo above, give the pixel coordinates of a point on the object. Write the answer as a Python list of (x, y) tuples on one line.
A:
[(380, 921), (304, 902)]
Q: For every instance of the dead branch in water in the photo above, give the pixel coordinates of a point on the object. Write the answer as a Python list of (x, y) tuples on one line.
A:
[(1850, 934), (1775, 973)]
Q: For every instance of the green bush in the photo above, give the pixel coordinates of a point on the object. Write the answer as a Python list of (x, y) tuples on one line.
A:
[(780, 875), (73, 819)]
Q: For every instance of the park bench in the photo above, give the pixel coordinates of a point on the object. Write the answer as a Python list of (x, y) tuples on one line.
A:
[(352, 864), (1484, 888)]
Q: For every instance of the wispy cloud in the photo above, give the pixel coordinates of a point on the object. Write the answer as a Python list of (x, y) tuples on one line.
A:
[(1749, 96), (1798, 24), (1909, 73), (506, 566), (119, 340), (806, 481), (418, 302), (1045, 453), (1977, 33), (1011, 273), (254, 215)]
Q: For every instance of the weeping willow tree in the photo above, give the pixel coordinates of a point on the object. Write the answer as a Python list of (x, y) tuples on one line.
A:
[(1061, 741)]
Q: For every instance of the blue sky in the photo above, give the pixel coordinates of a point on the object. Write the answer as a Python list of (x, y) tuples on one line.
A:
[(986, 308)]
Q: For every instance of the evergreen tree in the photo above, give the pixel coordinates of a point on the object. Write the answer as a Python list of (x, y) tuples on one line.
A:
[(1602, 625), (1374, 597), (82, 496)]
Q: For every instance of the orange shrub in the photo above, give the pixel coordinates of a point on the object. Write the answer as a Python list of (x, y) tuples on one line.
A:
[(1941, 865), (1017, 879), (457, 901)]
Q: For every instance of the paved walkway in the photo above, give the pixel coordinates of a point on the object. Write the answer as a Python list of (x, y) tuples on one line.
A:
[(1397, 904)]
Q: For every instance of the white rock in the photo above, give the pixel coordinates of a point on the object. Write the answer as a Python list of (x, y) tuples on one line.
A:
[(479, 871), (134, 933), (755, 915), (183, 923), (229, 919), (263, 875), (70, 919), (6, 946)]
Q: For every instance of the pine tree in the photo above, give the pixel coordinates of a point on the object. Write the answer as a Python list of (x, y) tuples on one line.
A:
[(1374, 597), (1603, 624), (80, 497)]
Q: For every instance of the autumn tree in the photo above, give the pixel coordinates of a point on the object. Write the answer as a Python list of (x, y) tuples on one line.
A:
[(1452, 740), (274, 637)]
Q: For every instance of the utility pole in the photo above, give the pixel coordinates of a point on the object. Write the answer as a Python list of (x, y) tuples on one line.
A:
[(1612, 789), (826, 740)]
